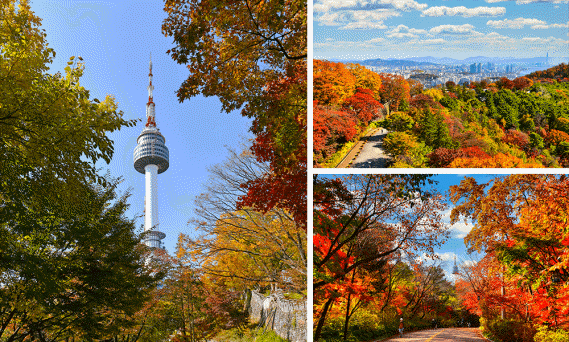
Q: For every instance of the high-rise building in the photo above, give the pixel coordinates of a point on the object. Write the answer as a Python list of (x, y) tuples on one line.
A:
[(473, 68), (479, 68), (151, 157)]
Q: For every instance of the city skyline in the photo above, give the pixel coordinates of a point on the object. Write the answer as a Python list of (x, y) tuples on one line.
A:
[(358, 30)]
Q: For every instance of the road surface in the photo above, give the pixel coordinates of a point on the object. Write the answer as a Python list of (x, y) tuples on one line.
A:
[(372, 154), (442, 335)]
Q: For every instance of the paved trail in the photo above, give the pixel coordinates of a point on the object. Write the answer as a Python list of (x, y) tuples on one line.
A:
[(372, 154), (442, 335)]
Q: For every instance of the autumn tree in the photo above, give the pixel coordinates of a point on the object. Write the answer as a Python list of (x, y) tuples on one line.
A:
[(395, 90), (227, 47), (245, 247), (387, 213), (363, 105), (333, 83), (520, 220), (366, 79), (522, 83), (251, 55)]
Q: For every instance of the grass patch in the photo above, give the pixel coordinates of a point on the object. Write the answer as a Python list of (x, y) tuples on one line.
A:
[(249, 334), (295, 296), (337, 157)]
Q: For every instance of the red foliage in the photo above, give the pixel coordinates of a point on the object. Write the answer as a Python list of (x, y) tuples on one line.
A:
[(442, 157), (522, 83), (330, 128), (474, 152), (505, 83), (516, 138), (285, 185), (363, 104), (423, 100)]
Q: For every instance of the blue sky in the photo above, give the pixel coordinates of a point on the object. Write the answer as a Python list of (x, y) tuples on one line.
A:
[(360, 29), (115, 39)]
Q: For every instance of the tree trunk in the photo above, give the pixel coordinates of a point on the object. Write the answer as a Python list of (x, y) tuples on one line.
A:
[(347, 319), (322, 319)]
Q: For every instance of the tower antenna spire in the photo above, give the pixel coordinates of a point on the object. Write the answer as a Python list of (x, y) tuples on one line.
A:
[(151, 157)]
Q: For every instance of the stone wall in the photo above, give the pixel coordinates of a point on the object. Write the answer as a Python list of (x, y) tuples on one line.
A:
[(284, 316)]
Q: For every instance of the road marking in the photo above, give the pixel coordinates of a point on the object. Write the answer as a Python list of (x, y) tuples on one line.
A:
[(430, 338)]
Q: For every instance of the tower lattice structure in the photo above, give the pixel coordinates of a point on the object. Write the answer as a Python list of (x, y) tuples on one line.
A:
[(151, 157)]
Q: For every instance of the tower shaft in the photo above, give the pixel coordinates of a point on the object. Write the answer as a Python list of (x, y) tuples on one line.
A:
[(151, 210)]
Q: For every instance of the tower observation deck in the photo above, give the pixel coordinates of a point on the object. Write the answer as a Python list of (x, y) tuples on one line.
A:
[(151, 157)]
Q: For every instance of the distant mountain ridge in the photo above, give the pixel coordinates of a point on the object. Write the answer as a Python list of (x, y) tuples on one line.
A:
[(429, 60), (396, 62)]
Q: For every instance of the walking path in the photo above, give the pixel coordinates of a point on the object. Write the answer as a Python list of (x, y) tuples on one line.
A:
[(372, 153), (368, 152), (442, 335)]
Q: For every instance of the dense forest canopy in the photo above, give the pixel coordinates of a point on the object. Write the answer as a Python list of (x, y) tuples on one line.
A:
[(507, 123)]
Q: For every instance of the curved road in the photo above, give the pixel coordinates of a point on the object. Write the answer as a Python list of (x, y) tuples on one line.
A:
[(442, 335), (372, 153)]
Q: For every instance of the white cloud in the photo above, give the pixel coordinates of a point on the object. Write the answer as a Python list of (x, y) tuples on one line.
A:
[(517, 23), (364, 25), (433, 41), (361, 14), (403, 31), (523, 2), (459, 229), (439, 11), (376, 40), (331, 5), (550, 26), (465, 29)]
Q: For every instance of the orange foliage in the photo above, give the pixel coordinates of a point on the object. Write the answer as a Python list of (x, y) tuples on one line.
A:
[(555, 137), (332, 83), (500, 160), (394, 90), (521, 221)]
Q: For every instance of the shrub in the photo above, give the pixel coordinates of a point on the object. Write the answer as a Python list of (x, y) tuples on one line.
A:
[(406, 150), (511, 330), (442, 157), (516, 138), (545, 335), (399, 121)]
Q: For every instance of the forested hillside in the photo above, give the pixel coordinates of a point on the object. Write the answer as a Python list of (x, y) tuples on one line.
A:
[(508, 123)]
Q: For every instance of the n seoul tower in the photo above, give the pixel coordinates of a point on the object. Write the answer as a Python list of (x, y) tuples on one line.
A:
[(151, 157)]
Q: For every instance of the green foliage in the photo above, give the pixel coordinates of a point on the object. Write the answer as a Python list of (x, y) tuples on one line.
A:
[(70, 262), (399, 121), (364, 326), (509, 330), (74, 263), (536, 141), (433, 130), (546, 335)]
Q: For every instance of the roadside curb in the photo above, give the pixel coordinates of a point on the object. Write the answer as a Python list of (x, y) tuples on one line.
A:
[(355, 150)]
